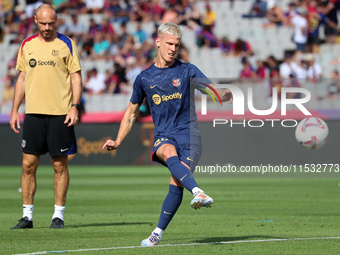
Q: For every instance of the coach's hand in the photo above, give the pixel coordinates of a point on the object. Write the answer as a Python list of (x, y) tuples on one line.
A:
[(110, 145), (72, 117), (15, 122)]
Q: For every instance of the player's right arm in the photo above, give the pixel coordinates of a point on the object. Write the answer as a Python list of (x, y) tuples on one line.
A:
[(126, 124), (19, 95)]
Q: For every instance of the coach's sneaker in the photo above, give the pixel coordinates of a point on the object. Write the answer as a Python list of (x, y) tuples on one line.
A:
[(57, 223), (151, 240), (201, 199), (24, 223)]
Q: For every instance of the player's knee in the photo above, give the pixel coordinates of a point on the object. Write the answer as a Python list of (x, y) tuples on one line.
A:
[(167, 152), (28, 167), (59, 167)]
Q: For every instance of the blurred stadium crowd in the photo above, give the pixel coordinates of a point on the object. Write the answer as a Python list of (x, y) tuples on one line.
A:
[(244, 41)]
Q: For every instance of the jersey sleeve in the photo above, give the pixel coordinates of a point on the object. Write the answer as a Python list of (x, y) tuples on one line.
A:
[(72, 62), (20, 66), (198, 79), (138, 93)]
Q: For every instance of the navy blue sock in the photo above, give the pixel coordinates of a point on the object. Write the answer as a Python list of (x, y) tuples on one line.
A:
[(170, 205), (181, 173)]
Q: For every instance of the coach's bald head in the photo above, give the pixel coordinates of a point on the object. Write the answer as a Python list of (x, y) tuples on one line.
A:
[(46, 17), (45, 9)]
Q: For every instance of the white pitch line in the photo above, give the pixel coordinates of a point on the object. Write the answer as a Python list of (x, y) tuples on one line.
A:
[(185, 244)]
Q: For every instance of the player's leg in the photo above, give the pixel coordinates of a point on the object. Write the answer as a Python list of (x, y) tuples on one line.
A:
[(168, 154), (30, 164), (61, 183), (170, 205), (172, 200), (61, 143), (179, 171), (190, 153), (33, 145), (165, 152)]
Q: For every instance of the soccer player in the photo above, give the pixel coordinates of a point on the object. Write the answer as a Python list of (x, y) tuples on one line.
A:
[(167, 87), (48, 62)]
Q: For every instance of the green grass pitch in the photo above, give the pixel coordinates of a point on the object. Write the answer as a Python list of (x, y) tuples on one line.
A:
[(119, 206)]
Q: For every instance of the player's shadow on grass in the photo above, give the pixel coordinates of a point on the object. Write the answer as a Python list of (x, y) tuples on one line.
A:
[(108, 224), (220, 240)]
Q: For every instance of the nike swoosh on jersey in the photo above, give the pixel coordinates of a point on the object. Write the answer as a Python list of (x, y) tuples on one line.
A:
[(30, 53), (151, 87)]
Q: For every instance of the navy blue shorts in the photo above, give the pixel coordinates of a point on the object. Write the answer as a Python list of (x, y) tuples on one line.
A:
[(301, 47), (47, 133), (189, 148)]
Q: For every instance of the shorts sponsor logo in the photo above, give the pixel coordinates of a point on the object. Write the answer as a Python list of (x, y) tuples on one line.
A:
[(62, 150), (157, 143), (32, 62), (23, 143)]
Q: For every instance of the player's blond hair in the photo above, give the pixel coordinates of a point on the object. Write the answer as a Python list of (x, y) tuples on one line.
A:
[(170, 29)]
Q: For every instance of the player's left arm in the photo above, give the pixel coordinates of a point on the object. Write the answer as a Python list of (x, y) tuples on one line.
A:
[(225, 95), (72, 117)]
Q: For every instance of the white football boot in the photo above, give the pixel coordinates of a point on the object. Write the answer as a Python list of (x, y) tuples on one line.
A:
[(152, 240), (201, 200)]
